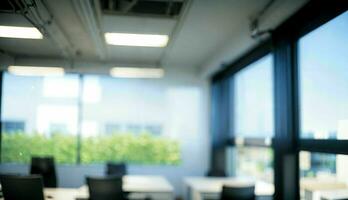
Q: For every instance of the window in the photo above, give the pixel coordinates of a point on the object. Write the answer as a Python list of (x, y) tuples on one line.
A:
[(140, 121), (253, 162), (254, 100), (40, 118), (127, 115), (13, 126), (324, 81), (322, 175), (311, 87), (254, 121), (323, 89)]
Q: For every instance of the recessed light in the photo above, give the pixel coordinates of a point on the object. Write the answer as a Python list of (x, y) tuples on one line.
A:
[(35, 71), (132, 72), (141, 40), (20, 32)]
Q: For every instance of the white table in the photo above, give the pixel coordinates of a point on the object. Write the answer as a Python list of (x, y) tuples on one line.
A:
[(313, 188), (334, 194), (199, 188), (61, 193), (155, 187)]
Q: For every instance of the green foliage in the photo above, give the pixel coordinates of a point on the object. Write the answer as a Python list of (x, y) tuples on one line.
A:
[(125, 147)]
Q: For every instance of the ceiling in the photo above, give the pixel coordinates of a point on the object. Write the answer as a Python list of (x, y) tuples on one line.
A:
[(203, 35)]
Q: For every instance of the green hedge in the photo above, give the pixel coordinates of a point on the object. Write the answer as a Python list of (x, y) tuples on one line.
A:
[(125, 147)]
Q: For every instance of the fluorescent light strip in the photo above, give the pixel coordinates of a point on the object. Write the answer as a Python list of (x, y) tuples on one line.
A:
[(35, 71), (141, 40), (20, 32), (132, 72)]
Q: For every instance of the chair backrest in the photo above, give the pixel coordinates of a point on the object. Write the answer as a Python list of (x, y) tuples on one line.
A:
[(238, 193), (116, 169), (105, 188), (22, 187), (45, 167), (216, 173)]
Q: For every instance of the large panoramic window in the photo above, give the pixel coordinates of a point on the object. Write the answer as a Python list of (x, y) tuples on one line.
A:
[(93, 119), (323, 72), (39, 117)]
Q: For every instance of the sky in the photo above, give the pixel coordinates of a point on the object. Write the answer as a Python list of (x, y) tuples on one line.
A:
[(323, 61)]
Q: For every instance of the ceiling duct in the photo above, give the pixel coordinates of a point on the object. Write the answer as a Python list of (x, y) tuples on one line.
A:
[(255, 31), (37, 13), (7, 6), (88, 15), (165, 8)]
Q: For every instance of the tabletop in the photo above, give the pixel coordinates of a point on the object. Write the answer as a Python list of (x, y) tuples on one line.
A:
[(156, 187), (214, 184)]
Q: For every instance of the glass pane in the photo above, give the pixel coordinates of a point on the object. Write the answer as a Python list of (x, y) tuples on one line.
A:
[(323, 176), (254, 99), (39, 117), (255, 162), (323, 70), (136, 120)]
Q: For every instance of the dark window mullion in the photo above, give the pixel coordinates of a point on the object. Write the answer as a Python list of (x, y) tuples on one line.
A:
[(79, 118), (324, 146)]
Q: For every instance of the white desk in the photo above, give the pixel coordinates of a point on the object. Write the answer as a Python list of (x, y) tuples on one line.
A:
[(155, 187), (313, 188), (334, 194), (61, 193), (199, 188)]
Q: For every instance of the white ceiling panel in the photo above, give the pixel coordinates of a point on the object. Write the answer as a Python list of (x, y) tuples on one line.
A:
[(208, 34), (134, 55), (133, 24)]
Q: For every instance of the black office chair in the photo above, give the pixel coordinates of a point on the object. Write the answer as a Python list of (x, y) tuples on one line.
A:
[(238, 193), (105, 188), (45, 167), (22, 187), (116, 169), (216, 173)]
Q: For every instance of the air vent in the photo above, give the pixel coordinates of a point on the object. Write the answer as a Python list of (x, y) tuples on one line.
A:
[(169, 8), (10, 6)]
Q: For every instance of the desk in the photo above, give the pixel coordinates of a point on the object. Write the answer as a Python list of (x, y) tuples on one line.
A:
[(313, 188), (155, 187), (334, 194), (199, 188), (61, 193)]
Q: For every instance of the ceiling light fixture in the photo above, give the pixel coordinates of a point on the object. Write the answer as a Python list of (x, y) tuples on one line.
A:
[(133, 72), (35, 71), (20, 32), (141, 40)]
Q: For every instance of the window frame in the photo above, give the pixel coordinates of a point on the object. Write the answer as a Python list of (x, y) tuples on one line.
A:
[(224, 136), (287, 142)]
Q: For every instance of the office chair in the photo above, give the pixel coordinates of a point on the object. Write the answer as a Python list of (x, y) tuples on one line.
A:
[(45, 167), (216, 173), (22, 187), (238, 193), (105, 188), (116, 169)]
